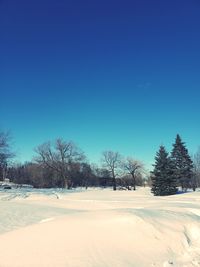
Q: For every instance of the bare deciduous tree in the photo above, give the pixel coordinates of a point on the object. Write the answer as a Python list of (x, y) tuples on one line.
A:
[(132, 167), (111, 161), (196, 164), (5, 153), (59, 156)]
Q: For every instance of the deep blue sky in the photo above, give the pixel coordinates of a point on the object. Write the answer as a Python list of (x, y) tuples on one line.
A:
[(118, 75)]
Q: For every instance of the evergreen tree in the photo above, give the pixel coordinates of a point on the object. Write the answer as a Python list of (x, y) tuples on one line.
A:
[(182, 164), (163, 181)]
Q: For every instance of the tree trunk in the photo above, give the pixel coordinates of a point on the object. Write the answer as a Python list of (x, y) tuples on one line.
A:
[(69, 184), (114, 184), (134, 182)]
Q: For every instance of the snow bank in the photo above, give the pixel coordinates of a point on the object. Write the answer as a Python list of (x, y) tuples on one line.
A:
[(99, 228)]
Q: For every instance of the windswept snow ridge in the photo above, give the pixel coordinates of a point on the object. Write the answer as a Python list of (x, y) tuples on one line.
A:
[(98, 228)]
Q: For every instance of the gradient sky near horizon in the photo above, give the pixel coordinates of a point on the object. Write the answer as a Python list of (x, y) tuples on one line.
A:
[(109, 75)]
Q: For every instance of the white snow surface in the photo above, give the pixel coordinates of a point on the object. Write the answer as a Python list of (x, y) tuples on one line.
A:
[(98, 228)]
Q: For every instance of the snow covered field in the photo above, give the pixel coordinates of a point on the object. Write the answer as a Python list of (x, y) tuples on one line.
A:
[(98, 228)]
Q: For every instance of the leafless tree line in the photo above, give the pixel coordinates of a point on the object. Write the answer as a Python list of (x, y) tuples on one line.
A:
[(62, 164)]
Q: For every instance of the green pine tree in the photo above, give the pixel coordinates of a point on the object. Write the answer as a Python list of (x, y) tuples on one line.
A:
[(163, 181), (182, 164)]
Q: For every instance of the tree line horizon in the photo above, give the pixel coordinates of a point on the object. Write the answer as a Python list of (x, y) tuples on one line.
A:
[(62, 164)]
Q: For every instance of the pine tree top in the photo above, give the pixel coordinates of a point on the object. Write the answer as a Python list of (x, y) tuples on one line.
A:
[(179, 148), (180, 152), (161, 159)]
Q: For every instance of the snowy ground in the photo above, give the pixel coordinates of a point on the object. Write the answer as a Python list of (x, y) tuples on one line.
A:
[(98, 228)]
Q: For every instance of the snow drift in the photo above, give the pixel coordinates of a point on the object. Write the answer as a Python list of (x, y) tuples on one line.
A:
[(99, 228)]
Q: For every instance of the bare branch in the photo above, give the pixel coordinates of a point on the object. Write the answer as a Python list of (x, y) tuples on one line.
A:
[(111, 161), (133, 167), (59, 156)]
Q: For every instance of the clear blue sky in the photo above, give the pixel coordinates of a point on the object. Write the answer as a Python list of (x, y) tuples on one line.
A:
[(118, 75)]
